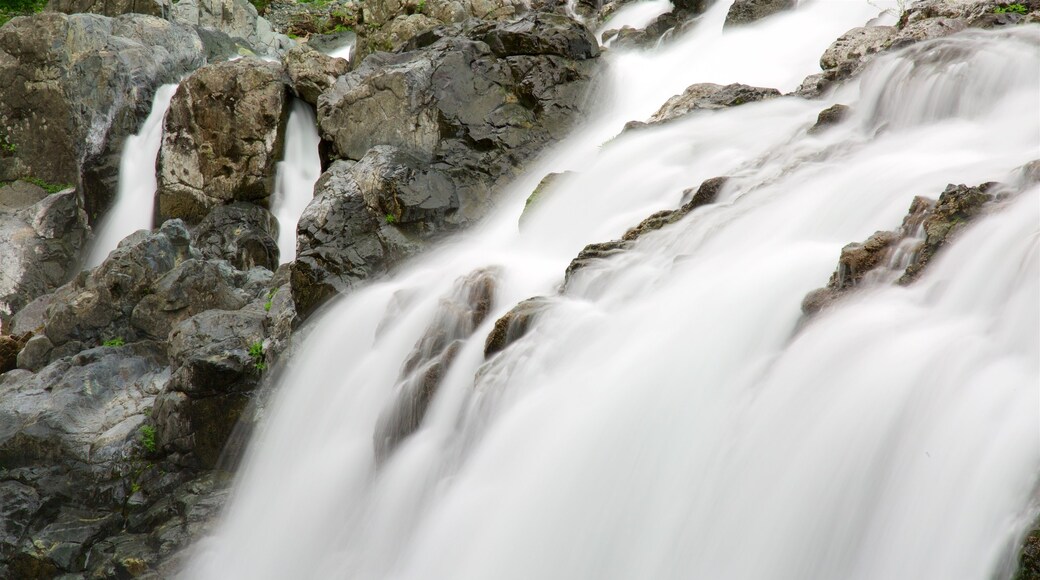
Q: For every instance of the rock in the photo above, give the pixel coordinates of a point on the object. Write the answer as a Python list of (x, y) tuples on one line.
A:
[(188, 289), (515, 324), (10, 346), (242, 233), (19, 504), (855, 262), (958, 205), (219, 46), (218, 356), (1029, 557), (958, 9), (40, 243), (829, 117), (35, 354), (457, 317), (236, 18), (852, 49), (748, 11), (224, 134), (311, 72), (706, 96), (97, 306), (545, 187), (111, 7), (92, 78), (926, 30)]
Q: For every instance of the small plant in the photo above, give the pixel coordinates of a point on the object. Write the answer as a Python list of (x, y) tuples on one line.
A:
[(256, 352), (135, 487), (6, 146), (421, 7), (113, 342), (48, 187), (390, 218), (147, 433), (1011, 9), (270, 300)]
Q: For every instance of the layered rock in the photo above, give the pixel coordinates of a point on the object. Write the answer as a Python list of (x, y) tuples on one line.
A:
[(224, 133), (434, 131), (73, 87)]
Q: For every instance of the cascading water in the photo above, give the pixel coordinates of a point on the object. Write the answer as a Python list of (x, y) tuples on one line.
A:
[(667, 419), (297, 173), (135, 199)]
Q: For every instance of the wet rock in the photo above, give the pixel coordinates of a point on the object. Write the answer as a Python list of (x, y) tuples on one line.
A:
[(93, 79), (219, 359), (40, 239), (224, 133), (244, 234), (958, 205), (748, 11), (188, 289), (545, 187), (926, 30), (311, 72), (97, 306), (515, 324), (829, 117), (1029, 557), (958, 9), (458, 316), (706, 96), (855, 262)]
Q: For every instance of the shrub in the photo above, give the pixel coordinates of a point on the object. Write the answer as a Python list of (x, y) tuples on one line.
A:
[(113, 342), (147, 433)]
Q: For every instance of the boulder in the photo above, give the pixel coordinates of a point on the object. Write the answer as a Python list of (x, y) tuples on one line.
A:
[(91, 78), (748, 11), (236, 18), (957, 207), (829, 117), (311, 72), (705, 96), (41, 236), (242, 233), (189, 288), (515, 324), (224, 133)]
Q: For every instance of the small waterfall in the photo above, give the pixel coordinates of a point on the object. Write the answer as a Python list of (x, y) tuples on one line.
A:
[(135, 199), (664, 420), (297, 173)]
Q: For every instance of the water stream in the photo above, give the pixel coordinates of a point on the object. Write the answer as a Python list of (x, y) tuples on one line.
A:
[(135, 199), (666, 420), (297, 172)]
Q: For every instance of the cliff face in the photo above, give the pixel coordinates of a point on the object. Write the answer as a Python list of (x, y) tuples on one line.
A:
[(127, 392)]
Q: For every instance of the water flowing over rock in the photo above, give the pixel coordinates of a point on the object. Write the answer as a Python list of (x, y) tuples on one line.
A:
[(748, 11), (73, 87), (224, 133)]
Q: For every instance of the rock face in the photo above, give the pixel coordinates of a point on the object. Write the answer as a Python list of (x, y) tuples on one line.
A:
[(433, 130), (388, 24), (748, 11), (92, 79), (236, 18), (311, 72), (224, 133), (242, 233), (40, 239), (158, 8)]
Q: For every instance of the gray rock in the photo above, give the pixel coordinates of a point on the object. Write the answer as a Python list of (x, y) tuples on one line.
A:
[(92, 78), (242, 233), (829, 117), (35, 354), (851, 49), (224, 134), (188, 289), (158, 8), (39, 244), (705, 97), (748, 11), (311, 72)]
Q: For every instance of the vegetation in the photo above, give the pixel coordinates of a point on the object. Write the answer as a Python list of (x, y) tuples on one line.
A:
[(11, 8), (270, 300), (114, 342), (260, 5), (390, 218), (1011, 9), (256, 351), (5, 144), (48, 187), (147, 433)]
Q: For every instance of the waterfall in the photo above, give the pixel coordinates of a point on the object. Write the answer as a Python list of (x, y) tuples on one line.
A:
[(297, 172), (668, 419), (135, 199)]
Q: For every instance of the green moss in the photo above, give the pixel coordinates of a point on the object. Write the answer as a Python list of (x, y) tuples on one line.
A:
[(113, 342), (1011, 9), (48, 187)]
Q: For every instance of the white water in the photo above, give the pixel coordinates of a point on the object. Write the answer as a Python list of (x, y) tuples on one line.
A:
[(135, 200), (664, 421), (299, 169)]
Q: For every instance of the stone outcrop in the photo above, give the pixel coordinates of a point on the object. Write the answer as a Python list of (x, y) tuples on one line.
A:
[(73, 87), (40, 239), (243, 234), (224, 133), (829, 117), (311, 72), (748, 11), (433, 131), (158, 8), (705, 97)]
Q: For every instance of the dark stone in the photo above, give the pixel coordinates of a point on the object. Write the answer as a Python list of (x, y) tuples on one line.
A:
[(244, 234), (515, 324), (829, 117)]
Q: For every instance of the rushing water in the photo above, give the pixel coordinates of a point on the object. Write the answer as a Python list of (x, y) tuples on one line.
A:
[(667, 420), (135, 199), (297, 172)]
